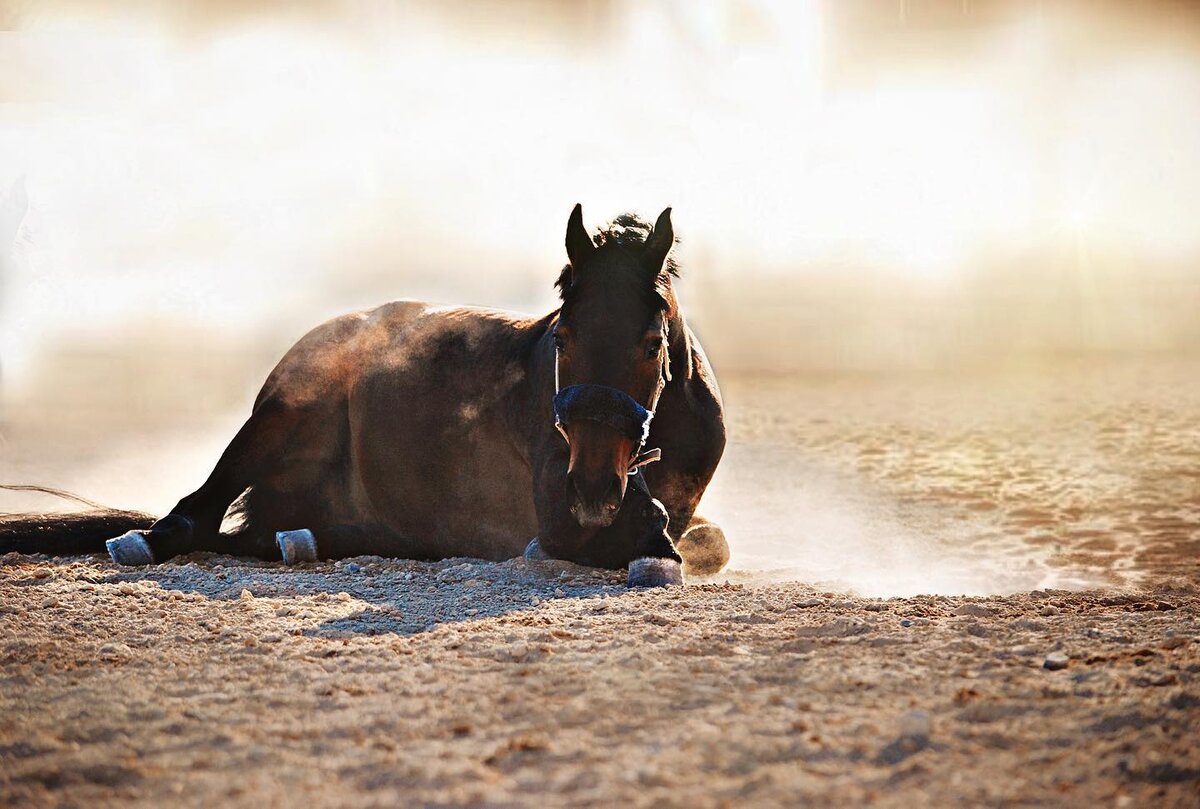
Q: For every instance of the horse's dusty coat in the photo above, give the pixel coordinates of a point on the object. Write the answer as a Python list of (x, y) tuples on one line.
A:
[(454, 478), (383, 455), (425, 431)]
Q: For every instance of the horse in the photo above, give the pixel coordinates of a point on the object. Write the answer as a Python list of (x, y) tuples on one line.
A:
[(421, 431)]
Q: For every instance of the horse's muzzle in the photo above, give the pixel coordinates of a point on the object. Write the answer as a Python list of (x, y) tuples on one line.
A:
[(595, 499), (605, 427)]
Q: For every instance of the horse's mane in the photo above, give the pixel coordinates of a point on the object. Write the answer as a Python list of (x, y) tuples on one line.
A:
[(628, 231)]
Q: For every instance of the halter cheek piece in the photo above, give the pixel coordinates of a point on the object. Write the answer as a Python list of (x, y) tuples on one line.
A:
[(612, 407)]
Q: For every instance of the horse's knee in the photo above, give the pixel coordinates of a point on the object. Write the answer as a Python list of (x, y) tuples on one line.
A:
[(704, 549)]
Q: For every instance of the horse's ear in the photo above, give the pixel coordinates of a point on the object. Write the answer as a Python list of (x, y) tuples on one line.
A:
[(660, 241), (579, 243)]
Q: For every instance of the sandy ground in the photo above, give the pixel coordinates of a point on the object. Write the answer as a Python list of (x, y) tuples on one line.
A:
[(810, 673)]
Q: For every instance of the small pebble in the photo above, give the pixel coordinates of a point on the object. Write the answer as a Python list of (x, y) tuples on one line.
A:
[(115, 651), (352, 567), (906, 622), (1056, 660)]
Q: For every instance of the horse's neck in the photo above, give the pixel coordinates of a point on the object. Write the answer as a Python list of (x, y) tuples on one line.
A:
[(532, 406), (679, 349)]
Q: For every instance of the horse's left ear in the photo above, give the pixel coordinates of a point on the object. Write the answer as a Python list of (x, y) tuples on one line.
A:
[(661, 240), (579, 243)]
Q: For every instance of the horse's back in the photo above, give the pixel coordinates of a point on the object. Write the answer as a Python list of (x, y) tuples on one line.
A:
[(323, 364)]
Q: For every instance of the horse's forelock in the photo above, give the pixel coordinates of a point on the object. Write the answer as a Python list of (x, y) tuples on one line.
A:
[(630, 232)]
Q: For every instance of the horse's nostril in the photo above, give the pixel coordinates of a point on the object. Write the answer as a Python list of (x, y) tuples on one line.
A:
[(601, 492), (614, 493), (573, 486)]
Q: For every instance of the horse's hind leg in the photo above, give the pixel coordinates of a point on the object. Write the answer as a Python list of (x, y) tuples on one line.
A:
[(194, 524), (343, 542), (703, 548)]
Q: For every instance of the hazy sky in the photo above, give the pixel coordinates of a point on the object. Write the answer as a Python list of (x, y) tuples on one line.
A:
[(229, 163)]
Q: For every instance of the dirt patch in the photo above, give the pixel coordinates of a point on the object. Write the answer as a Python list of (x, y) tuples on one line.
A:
[(213, 680), (370, 681)]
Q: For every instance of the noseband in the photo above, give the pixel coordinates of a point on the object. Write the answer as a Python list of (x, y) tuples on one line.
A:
[(614, 408)]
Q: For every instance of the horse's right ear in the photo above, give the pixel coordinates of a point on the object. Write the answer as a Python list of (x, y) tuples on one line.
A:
[(579, 243)]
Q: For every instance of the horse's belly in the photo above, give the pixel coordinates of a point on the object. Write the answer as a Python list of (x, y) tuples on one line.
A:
[(451, 495)]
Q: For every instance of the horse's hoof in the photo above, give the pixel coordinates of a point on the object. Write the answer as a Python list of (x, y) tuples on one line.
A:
[(654, 572), (704, 550), (131, 549), (534, 552), (297, 546)]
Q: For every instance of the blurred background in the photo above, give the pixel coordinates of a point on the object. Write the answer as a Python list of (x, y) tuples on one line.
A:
[(862, 187)]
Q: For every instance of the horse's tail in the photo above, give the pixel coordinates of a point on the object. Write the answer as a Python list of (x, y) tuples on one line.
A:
[(68, 533)]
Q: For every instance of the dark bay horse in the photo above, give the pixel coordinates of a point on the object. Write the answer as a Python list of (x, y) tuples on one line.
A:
[(421, 431)]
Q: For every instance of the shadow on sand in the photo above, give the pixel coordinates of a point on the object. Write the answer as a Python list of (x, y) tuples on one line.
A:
[(386, 596)]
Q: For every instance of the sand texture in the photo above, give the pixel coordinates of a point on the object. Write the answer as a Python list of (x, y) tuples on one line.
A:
[(813, 672)]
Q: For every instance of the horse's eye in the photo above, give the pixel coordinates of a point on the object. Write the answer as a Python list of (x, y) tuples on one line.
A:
[(559, 342), (653, 347)]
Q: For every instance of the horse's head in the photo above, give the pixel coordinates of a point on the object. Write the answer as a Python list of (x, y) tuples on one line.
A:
[(611, 340)]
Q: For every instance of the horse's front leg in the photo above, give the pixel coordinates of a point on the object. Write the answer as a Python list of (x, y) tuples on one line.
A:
[(637, 539), (656, 562)]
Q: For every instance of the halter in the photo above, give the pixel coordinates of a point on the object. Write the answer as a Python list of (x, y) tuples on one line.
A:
[(613, 407)]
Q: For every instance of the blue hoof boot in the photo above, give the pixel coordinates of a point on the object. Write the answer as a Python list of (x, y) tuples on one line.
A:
[(297, 546), (652, 572), (131, 549), (534, 552)]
